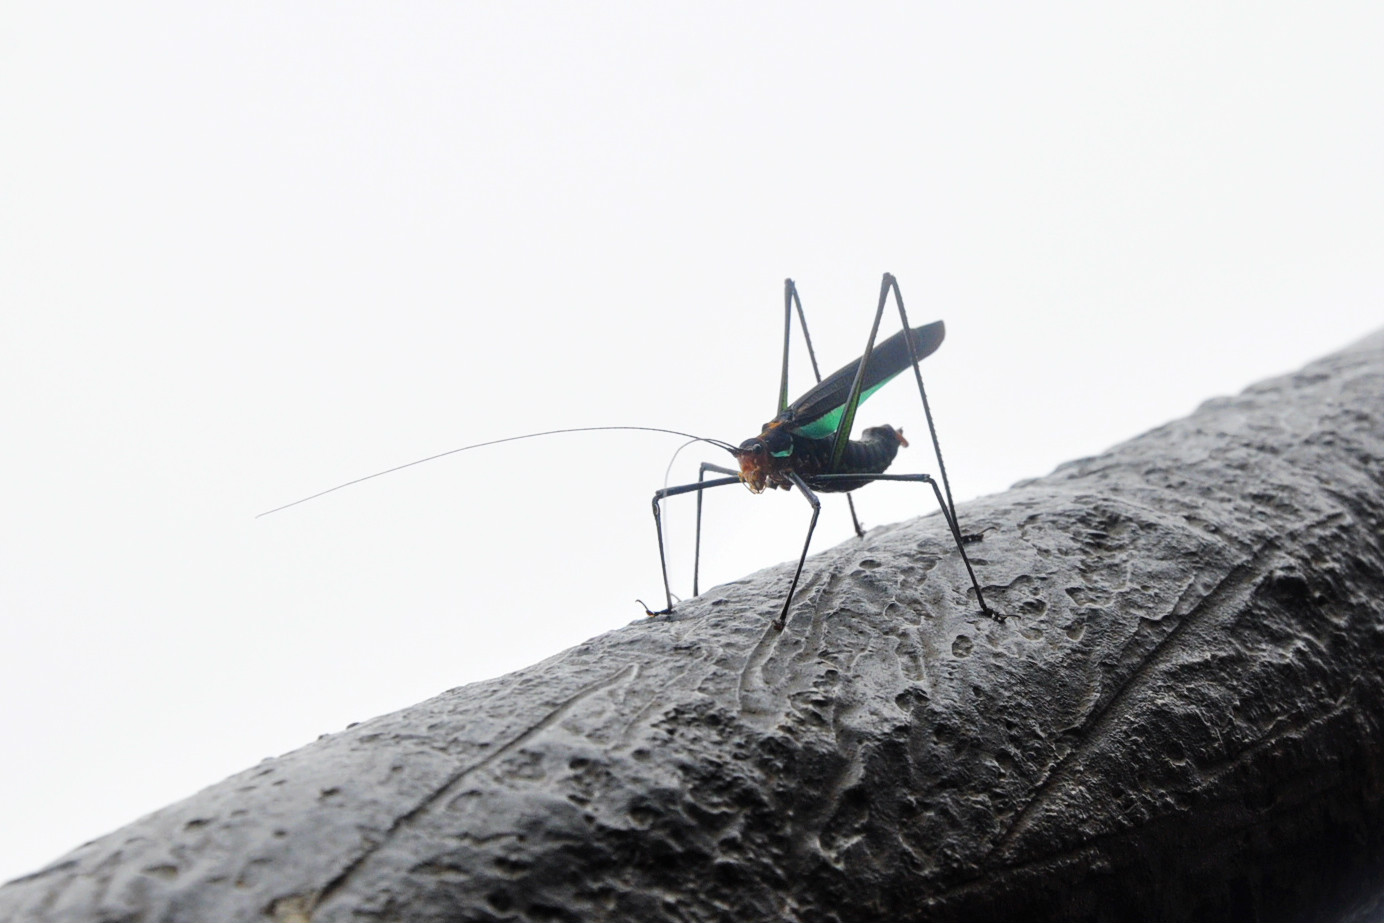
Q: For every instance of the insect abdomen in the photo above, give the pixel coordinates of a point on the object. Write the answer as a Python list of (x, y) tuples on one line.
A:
[(872, 453)]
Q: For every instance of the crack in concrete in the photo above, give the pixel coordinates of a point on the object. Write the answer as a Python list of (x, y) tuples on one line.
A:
[(403, 821)]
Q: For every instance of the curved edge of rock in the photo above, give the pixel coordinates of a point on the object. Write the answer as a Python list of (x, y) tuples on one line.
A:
[(1179, 719)]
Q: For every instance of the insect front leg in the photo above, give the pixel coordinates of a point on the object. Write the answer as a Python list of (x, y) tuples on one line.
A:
[(697, 554), (792, 301), (659, 496)]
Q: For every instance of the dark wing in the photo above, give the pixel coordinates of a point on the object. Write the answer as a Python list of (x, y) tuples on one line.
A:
[(818, 412)]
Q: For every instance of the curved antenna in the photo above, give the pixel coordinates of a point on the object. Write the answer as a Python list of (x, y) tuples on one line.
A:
[(668, 472), (668, 476), (478, 445)]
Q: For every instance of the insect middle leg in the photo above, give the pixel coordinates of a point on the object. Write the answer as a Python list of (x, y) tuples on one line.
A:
[(887, 284), (807, 542)]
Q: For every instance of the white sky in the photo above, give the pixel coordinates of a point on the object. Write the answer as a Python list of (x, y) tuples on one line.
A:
[(251, 250)]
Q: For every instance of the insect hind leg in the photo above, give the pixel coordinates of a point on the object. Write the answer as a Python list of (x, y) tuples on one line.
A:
[(792, 301), (952, 526), (890, 284)]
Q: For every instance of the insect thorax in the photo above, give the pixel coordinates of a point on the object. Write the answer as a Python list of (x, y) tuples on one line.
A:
[(766, 460)]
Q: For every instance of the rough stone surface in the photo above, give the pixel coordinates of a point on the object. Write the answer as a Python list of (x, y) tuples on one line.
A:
[(1180, 719)]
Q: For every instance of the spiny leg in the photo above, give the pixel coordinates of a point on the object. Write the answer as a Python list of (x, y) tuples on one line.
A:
[(782, 620), (947, 515), (662, 494), (697, 554)]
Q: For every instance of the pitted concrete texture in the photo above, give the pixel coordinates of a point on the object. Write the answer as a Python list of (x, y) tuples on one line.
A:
[(1180, 718)]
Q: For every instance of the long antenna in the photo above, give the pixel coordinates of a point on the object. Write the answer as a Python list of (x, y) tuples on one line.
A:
[(478, 445)]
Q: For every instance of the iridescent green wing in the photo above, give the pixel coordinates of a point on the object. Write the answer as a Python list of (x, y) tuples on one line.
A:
[(818, 413)]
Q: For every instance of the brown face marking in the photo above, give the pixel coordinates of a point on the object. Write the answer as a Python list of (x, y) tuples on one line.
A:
[(759, 466), (753, 470)]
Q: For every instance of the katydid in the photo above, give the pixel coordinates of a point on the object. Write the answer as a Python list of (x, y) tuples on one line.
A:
[(807, 445)]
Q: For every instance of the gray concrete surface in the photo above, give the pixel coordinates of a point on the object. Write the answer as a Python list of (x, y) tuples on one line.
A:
[(1179, 719)]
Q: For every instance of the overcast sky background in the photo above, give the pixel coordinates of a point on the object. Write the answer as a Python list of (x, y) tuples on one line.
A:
[(252, 250)]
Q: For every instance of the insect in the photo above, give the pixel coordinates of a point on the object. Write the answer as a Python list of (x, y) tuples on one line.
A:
[(808, 445)]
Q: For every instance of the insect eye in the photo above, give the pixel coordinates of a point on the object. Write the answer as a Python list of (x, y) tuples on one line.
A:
[(752, 447)]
